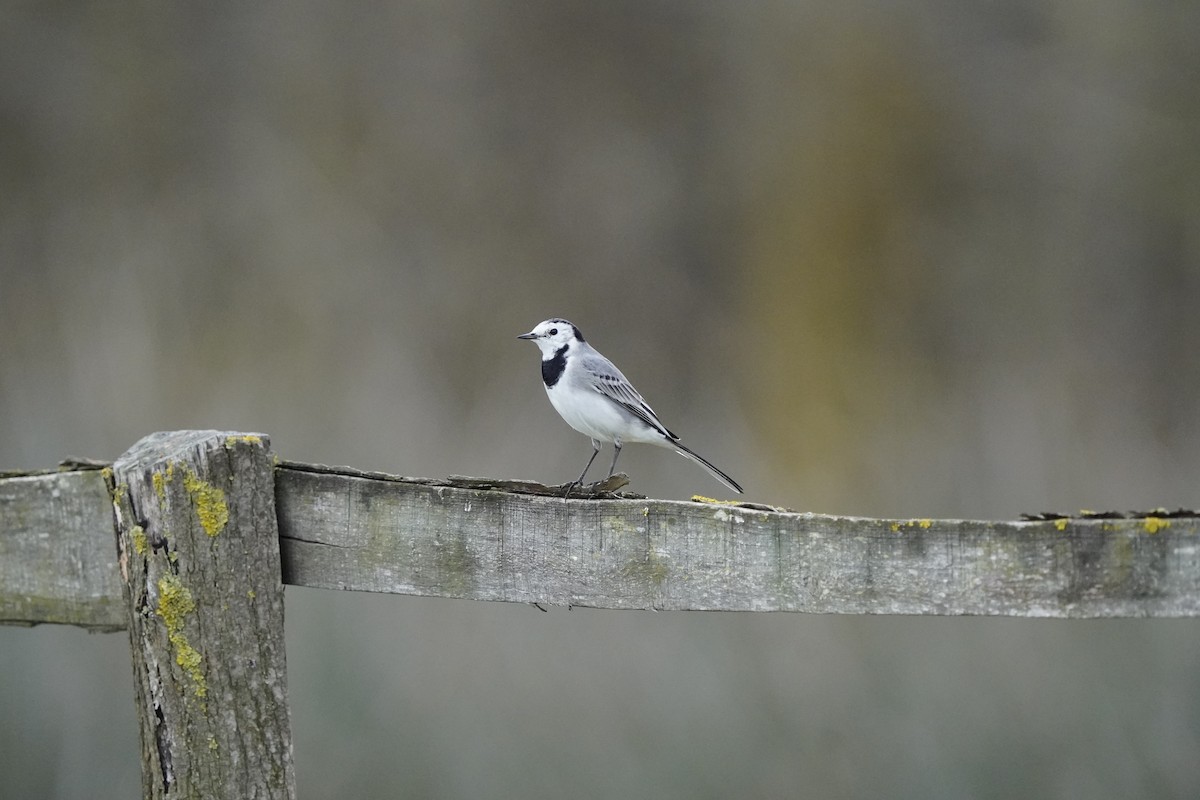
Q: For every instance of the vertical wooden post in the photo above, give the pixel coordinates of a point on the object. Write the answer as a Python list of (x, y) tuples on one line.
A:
[(198, 548)]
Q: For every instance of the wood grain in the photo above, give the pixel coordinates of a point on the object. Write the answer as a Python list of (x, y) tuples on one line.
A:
[(199, 557), (513, 541), (58, 553), (378, 535)]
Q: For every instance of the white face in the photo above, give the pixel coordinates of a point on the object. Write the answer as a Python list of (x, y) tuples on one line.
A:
[(552, 334)]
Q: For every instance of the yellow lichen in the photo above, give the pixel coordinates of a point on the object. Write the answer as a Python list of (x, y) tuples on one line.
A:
[(160, 486), (895, 526), (138, 534), (1155, 524), (119, 493), (1061, 524), (924, 523), (230, 441), (174, 604), (210, 503), (699, 498)]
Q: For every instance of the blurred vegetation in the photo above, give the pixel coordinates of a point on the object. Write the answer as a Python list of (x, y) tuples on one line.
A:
[(923, 260)]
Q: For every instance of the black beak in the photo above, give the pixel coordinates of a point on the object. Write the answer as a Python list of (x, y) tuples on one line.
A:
[(530, 335)]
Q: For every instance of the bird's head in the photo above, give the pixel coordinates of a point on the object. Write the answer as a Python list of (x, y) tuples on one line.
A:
[(552, 334)]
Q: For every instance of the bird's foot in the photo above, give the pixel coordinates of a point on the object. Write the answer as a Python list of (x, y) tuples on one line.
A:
[(596, 488)]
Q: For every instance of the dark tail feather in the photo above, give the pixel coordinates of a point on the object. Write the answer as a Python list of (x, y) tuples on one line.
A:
[(702, 461)]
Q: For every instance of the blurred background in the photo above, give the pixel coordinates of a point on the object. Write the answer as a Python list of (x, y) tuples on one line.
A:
[(925, 259)]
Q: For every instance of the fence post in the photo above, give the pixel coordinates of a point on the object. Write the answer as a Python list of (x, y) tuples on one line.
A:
[(198, 548)]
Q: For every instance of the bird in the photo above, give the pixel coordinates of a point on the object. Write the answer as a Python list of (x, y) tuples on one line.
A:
[(593, 397)]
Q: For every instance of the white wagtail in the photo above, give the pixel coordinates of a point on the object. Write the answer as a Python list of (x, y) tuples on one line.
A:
[(591, 394)]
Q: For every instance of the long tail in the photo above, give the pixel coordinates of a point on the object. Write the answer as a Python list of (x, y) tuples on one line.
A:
[(687, 452)]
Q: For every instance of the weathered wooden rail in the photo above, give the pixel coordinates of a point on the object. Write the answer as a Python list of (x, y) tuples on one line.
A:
[(187, 540)]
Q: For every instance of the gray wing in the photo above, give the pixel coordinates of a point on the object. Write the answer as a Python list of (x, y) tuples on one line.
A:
[(606, 379)]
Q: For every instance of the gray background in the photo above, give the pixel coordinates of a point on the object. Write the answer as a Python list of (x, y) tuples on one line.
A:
[(923, 259)]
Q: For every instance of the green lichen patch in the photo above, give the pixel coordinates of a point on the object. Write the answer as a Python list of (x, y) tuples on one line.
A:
[(456, 565), (140, 543), (649, 570), (209, 502), (175, 603)]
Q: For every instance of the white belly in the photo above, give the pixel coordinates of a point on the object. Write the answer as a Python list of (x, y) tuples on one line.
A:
[(596, 416)]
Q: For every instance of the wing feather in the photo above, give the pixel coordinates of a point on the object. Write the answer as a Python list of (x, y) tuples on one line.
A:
[(606, 379)]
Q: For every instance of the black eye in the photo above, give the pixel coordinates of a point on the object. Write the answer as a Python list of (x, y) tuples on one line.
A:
[(554, 331)]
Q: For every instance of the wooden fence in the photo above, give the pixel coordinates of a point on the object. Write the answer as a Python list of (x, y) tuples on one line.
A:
[(186, 542)]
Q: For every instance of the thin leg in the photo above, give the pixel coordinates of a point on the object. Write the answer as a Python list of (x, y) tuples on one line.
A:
[(579, 481), (617, 452)]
